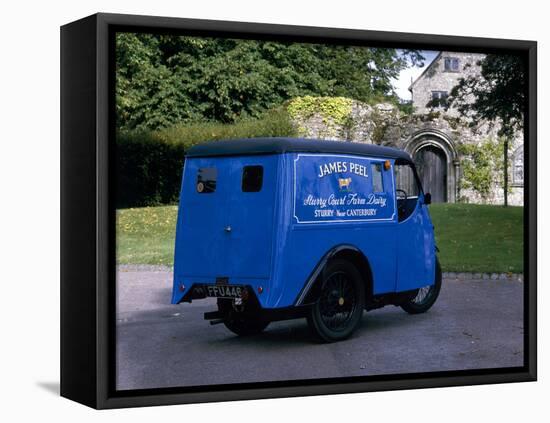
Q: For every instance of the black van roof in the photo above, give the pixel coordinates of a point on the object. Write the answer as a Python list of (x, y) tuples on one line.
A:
[(246, 146)]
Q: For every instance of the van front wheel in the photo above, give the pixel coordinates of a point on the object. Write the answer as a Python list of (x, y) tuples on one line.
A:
[(242, 321), (424, 298), (339, 306)]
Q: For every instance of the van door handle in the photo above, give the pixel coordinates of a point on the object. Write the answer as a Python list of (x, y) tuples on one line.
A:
[(227, 229)]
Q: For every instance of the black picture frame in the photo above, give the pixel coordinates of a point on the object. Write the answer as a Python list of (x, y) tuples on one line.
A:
[(87, 212)]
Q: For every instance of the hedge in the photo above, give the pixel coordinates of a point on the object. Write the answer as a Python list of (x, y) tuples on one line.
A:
[(149, 164)]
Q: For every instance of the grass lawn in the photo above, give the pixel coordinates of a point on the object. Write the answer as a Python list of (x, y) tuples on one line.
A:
[(146, 235), (471, 238), (477, 238)]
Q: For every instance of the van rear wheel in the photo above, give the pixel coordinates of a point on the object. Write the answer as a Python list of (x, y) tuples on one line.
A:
[(340, 303), (241, 320), (424, 298)]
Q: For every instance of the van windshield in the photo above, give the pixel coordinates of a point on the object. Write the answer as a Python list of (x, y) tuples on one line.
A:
[(406, 189)]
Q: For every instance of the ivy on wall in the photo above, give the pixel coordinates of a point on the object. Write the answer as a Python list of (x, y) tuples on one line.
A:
[(482, 166), (381, 124), (333, 110)]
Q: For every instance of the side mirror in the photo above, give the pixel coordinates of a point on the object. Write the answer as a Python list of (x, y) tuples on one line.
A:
[(427, 198)]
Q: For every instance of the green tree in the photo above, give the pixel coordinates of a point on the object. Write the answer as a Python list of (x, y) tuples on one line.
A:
[(163, 80), (499, 96), (148, 93)]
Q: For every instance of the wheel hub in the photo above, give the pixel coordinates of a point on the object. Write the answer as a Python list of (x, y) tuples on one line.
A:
[(337, 303)]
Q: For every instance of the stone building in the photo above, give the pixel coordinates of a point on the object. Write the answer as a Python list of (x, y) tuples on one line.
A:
[(440, 77), (434, 135), (436, 147)]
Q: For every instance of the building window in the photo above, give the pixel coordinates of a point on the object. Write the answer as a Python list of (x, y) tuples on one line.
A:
[(451, 64), (439, 98), (517, 168)]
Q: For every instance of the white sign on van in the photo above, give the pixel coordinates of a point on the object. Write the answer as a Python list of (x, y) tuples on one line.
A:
[(333, 189)]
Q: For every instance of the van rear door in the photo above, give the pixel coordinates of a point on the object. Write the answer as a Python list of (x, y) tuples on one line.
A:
[(250, 214), (225, 223)]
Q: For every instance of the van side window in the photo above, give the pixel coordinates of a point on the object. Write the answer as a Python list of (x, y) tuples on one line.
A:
[(253, 177), (377, 183), (406, 190), (206, 180)]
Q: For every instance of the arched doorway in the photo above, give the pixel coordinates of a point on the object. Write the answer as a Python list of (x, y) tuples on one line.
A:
[(437, 162), (431, 164)]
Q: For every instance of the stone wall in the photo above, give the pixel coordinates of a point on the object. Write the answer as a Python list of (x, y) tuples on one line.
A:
[(384, 124)]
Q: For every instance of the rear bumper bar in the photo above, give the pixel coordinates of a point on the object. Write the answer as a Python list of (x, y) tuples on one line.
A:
[(271, 314)]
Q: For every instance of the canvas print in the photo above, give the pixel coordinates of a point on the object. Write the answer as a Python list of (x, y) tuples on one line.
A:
[(293, 211)]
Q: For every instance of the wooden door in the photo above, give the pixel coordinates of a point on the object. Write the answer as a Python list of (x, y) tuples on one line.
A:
[(431, 165)]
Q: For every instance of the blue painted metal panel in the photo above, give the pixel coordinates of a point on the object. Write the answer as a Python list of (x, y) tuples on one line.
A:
[(198, 238), (314, 181), (226, 233), (416, 249), (250, 216)]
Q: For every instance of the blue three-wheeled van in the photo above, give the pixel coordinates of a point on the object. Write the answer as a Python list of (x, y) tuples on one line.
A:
[(281, 228)]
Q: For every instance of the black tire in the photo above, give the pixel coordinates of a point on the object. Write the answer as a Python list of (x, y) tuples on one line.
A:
[(338, 309), (424, 298), (242, 321)]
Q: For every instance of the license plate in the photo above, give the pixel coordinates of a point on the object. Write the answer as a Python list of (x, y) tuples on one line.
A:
[(224, 291)]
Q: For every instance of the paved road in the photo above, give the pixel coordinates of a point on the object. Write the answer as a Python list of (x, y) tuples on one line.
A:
[(474, 324)]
